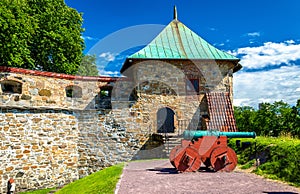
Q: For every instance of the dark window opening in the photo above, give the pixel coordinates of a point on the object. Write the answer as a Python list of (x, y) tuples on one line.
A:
[(133, 96), (105, 92), (11, 87), (74, 92), (104, 98), (192, 85)]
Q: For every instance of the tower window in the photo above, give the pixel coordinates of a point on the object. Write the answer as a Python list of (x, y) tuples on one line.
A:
[(192, 85)]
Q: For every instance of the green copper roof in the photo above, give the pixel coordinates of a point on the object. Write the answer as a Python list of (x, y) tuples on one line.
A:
[(177, 41)]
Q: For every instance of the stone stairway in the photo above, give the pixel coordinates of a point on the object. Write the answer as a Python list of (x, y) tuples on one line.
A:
[(170, 141)]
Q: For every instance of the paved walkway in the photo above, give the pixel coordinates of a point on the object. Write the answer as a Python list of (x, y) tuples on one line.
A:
[(159, 176)]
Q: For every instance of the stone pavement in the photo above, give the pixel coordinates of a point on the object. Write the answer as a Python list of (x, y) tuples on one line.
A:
[(159, 176)]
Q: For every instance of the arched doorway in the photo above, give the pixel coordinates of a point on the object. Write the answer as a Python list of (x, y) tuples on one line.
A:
[(165, 120)]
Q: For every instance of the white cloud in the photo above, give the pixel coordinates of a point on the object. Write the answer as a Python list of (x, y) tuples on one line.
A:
[(88, 38), (253, 34), (251, 88), (212, 29), (109, 73), (219, 45), (108, 56), (290, 42), (270, 54)]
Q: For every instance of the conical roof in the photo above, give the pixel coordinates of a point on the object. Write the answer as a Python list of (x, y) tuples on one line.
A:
[(176, 41)]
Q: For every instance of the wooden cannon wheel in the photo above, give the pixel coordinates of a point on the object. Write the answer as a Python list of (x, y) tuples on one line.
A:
[(174, 153), (223, 158), (187, 160)]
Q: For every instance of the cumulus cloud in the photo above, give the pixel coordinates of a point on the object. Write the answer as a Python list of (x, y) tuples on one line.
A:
[(269, 54), (108, 56), (251, 88)]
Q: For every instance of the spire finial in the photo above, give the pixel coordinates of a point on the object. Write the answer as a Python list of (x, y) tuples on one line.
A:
[(175, 13)]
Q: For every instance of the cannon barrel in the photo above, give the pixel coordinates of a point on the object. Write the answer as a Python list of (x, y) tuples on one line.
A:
[(191, 134)]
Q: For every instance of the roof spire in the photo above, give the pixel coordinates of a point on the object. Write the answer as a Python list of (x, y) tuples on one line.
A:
[(175, 13)]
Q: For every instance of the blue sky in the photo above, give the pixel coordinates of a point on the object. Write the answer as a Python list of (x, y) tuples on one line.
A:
[(264, 34)]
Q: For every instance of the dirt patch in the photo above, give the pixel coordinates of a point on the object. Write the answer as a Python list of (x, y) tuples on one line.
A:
[(159, 176)]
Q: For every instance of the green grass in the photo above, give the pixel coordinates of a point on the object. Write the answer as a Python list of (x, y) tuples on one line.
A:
[(43, 191), (279, 157), (248, 165), (103, 181)]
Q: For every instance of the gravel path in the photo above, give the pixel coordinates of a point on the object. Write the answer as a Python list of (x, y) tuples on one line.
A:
[(159, 176)]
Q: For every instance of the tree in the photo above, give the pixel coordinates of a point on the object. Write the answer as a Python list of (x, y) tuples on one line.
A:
[(295, 115), (88, 66), (41, 34), (244, 117), (274, 119), (16, 34)]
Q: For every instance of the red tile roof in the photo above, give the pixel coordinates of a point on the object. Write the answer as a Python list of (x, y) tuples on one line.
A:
[(220, 112), (57, 75)]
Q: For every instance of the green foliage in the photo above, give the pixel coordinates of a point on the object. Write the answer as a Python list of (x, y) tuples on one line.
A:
[(88, 66), (249, 164), (273, 120), (16, 33), (103, 181), (279, 157), (40, 34)]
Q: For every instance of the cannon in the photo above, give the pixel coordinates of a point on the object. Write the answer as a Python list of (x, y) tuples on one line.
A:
[(208, 148)]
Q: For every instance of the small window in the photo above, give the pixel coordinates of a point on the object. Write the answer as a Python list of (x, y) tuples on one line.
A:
[(104, 100), (105, 92), (11, 87), (74, 92), (192, 85)]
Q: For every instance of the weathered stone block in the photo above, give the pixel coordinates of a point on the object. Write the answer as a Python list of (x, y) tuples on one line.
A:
[(26, 151), (8, 169)]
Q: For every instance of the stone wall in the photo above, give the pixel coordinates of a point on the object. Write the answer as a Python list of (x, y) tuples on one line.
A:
[(49, 139), (38, 148), (47, 148), (48, 90)]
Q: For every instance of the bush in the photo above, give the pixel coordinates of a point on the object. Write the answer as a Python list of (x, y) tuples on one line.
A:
[(279, 157)]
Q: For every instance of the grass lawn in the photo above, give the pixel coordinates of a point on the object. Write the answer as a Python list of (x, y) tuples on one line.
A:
[(103, 181)]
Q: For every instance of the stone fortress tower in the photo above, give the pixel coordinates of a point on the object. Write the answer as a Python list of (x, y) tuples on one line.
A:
[(56, 128)]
